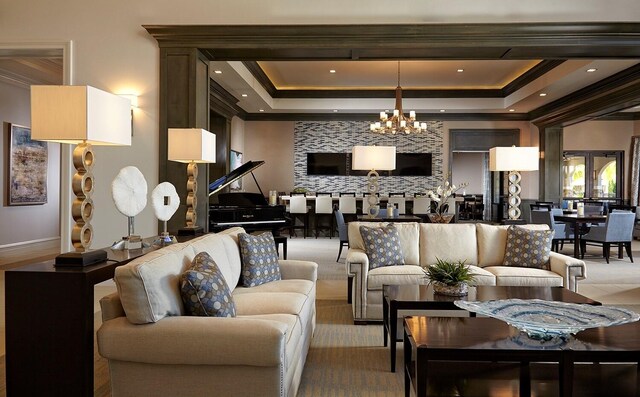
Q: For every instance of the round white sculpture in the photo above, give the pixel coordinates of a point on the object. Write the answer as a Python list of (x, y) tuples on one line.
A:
[(129, 191), (164, 210)]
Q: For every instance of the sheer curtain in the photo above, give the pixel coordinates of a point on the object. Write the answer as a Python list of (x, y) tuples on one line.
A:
[(635, 169)]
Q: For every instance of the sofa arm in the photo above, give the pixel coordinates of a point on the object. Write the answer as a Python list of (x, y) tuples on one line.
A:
[(190, 340), (357, 266), (299, 270), (571, 269), (111, 307)]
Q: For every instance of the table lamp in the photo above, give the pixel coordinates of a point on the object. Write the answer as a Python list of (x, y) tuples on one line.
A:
[(513, 160), (84, 116), (373, 159), (192, 146)]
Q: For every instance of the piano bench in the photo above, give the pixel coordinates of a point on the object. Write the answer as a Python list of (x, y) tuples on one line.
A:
[(281, 240)]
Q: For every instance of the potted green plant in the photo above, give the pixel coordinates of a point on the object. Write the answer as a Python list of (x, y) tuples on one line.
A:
[(449, 278)]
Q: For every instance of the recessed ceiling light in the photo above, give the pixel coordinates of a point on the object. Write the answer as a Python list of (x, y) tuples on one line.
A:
[(460, 70), (217, 71), (335, 110), (332, 71), (245, 95), (543, 94), (262, 110), (512, 110), (591, 70), (442, 110)]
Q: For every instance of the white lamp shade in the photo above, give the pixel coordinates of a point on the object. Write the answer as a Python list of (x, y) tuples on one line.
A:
[(514, 158), (191, 144), (74, 114), (382, 158)]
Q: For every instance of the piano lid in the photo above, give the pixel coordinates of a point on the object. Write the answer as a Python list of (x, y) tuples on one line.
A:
[(224, 181)]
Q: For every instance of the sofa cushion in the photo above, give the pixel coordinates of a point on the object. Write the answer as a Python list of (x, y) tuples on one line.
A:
[(382, 245), (481, 276), (259, 259), (528, 248), (304, 287), (409, 274), (409, 238), (149, 286), (269, 303), (204, 290), (492, 240), (524, 276), (451, 242)]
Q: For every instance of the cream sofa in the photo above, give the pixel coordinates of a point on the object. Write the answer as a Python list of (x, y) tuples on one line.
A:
[(154, 350), (481, 246)]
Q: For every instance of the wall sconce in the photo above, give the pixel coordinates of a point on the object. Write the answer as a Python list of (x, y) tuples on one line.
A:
[(133, 98)]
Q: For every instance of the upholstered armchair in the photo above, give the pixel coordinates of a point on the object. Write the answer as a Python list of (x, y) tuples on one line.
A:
[(617, 230)]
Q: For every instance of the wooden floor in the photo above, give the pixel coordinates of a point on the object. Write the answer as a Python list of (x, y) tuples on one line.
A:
[(23, 254)]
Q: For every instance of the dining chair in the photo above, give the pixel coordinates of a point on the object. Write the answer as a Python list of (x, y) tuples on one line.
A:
[(561, 232), (343, 232), (347, 206), (397, 195), (351, 194), (618, 230), (298, 208), (324, 206)]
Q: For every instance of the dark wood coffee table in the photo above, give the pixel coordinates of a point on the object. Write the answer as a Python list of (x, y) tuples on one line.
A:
[(414, 299), (484, 340)]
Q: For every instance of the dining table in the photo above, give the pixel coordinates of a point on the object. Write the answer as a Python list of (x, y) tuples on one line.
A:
[(577, 220)]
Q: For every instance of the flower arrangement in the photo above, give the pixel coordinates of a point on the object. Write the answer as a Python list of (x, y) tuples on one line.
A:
[(441, 194)]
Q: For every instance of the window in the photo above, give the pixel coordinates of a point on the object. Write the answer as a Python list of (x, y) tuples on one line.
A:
[(592, 174)]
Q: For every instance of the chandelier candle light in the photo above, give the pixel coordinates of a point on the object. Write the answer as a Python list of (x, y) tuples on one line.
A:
[(398, 123), (373, 159), (84, 116)]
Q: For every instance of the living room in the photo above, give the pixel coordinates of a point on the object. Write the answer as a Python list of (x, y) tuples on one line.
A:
[(106, 46)]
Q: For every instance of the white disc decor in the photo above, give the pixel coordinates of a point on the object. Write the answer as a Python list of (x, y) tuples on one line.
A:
[(165, 202), (129, 193)]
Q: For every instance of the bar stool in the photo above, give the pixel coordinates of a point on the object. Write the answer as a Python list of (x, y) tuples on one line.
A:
[(324, 206), (297, 207), (421, 205), (347, 206), (398, 202)]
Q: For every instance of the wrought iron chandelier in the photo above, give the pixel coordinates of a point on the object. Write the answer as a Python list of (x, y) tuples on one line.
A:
[(398, 123)]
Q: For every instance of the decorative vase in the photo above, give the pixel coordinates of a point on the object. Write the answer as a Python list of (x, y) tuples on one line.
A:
[(460, 289), (440, 218)]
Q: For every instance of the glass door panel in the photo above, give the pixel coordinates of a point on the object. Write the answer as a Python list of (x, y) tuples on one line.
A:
[(574, 172), (604, 176)]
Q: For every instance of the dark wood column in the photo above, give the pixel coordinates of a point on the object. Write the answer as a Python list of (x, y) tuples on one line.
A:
[(184, 103), (551, 164)]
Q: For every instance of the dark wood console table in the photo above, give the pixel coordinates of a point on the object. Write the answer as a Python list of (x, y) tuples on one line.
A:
[(50, 325)]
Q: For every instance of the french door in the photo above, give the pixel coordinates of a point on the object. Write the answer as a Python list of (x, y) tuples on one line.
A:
[(593, 174)]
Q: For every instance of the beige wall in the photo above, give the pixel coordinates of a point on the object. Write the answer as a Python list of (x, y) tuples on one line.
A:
[(272, 142), (114, 53), (29, 222)]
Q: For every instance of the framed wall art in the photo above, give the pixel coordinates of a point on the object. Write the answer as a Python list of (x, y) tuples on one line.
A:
[(27, 168), (235, 161)]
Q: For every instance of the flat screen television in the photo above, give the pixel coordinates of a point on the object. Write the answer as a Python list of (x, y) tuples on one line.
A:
[(412, 164), (326, 164)]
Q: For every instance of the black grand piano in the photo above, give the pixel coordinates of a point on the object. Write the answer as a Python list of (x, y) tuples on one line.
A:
[(248, 210)]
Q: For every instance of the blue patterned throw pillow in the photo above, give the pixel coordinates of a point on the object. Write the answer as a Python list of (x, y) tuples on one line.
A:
[(259, 259), (528, 248), (382, 245), (204, 290)]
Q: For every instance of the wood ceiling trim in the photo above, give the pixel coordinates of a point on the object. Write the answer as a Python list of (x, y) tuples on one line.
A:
[(533, 73), (370, 117), (422, 41), (609, 95)]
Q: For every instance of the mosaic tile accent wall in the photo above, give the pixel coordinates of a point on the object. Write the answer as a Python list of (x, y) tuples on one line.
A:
[(341, 136)]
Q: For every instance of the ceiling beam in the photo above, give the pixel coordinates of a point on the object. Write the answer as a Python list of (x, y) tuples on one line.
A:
[(556, 40)]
